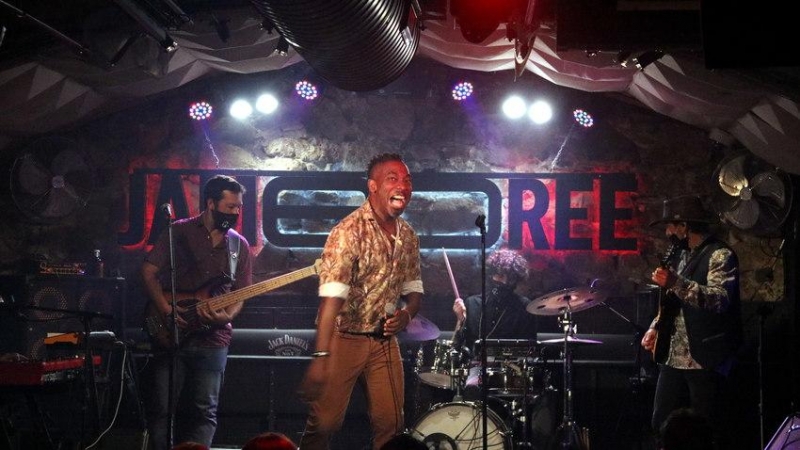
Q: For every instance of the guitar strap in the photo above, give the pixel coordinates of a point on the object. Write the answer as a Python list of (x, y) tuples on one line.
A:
[(691, 265), (234, 245)]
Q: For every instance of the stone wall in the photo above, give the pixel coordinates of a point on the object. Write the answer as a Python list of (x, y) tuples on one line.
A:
[(416, 117)]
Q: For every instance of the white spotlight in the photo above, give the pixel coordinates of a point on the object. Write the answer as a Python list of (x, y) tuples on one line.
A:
[(241, 109), (540, 112), (514, 107), (267, 104)]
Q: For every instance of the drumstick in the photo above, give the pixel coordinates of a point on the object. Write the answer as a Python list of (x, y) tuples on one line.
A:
[(450, 272), (460, 323)]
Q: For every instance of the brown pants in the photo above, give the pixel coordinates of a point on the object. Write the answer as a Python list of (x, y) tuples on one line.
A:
[(377, 363)]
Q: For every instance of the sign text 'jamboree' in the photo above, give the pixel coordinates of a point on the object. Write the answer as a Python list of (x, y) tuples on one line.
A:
[(540, 211)]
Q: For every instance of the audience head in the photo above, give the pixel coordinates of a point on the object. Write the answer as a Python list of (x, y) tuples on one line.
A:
[(270, 441), (404, 441), (686, 429)]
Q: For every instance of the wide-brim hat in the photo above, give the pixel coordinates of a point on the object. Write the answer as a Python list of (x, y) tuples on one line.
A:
[(686, 208)]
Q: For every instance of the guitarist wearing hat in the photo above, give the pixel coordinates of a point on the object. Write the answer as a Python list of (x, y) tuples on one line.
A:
[(210, 258), (697, 331)]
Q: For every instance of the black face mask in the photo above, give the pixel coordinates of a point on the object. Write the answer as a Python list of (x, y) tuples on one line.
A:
[(224, 221), (680, 244)]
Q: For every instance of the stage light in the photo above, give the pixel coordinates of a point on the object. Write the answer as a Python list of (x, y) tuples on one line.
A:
[(540, 112), (478, 19), (306, 90), (583, 118), (241, 109), (200, 110), (150, 25), (266, 104), (462, 90), (514, 107), (647, 58), (624, 58)]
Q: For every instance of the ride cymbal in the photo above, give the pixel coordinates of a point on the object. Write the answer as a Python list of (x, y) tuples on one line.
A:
[(569, 299)]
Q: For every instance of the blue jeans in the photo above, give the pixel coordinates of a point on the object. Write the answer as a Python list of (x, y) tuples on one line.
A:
[(198, 379)]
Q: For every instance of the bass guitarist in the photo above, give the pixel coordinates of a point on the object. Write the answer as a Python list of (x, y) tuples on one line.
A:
[(698, 327), (210, 258)]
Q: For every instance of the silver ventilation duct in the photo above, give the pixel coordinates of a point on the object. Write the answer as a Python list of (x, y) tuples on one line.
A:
[(356, 45)]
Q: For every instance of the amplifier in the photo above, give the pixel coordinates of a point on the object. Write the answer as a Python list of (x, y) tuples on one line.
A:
[(55, 304)]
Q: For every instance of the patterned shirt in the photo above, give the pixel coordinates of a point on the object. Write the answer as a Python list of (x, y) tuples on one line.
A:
[(361, 265), (712, 296)]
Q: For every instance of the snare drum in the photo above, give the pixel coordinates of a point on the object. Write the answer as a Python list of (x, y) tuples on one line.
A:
[(510, 379), (460, 426), (438, 369)]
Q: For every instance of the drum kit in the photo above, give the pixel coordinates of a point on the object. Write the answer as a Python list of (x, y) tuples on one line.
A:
[(521, 410)]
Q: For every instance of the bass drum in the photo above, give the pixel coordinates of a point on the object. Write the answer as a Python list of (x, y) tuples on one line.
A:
[(459, 426)]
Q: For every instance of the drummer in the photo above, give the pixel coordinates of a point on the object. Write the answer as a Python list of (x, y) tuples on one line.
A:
[(506, 318)]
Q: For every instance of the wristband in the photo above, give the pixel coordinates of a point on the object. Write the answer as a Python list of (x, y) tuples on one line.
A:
[(320, 354)]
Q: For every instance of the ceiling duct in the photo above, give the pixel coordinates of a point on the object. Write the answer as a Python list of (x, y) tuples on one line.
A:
[(356, 45)]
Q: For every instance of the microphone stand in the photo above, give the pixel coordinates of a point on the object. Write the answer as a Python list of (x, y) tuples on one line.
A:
[(172, 396), (763, 311), (89, 381), (480, 222), (638, 380)]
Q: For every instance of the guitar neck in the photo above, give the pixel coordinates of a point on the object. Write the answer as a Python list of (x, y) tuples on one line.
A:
[(240, 295)]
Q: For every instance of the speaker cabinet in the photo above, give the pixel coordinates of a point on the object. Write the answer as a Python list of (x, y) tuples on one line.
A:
[(61, 304), (788, 435)]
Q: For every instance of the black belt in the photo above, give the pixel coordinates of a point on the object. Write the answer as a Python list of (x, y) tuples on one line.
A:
[(372, 334)]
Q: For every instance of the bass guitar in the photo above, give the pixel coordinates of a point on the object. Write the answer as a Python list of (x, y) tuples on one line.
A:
[(668, 306), (159, 327)]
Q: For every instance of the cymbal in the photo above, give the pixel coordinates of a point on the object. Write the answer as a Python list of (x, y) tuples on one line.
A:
[(556, 303), (570, 341), (419, 329)]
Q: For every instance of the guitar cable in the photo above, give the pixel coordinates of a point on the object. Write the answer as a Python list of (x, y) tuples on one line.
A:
[(392, 382), (119, 397)]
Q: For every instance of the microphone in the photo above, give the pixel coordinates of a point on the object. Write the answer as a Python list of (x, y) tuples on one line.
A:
[(166, 209), (480, 222), (389, 311)]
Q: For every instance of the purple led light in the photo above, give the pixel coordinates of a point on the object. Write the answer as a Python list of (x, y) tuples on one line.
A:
[(583, 118), (306, 90), (200, 110), (462, 90)]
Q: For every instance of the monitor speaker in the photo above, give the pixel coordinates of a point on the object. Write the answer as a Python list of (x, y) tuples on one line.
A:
[(61, 304), (788, 435)]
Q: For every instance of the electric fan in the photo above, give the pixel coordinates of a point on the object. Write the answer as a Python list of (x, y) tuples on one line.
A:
[(50, 179), (752, 196)]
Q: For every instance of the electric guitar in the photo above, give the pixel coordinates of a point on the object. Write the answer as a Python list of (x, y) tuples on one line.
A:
[(668, 306), (159, 327)]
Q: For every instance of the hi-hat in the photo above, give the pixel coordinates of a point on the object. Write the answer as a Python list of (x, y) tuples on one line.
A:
[(419, 329), (571, 340), (570, 299)]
